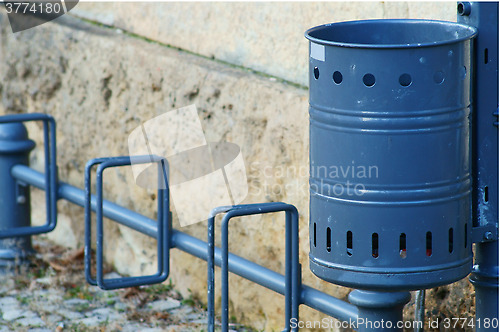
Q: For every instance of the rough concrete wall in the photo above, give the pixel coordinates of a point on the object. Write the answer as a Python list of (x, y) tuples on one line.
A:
[(100, 85), (267, 37)]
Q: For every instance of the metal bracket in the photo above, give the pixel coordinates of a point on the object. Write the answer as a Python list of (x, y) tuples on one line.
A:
[(488, 233), (95, 202), (49, 136), (22, 190), (484, 134)]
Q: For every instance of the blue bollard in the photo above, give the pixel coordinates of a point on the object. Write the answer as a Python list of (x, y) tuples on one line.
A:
[(15, 210)]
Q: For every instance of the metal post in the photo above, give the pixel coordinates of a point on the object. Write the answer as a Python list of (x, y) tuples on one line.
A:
[(379, 311), (484, 16), (419, 311), (485, 281), (292, 266), (15, 208)]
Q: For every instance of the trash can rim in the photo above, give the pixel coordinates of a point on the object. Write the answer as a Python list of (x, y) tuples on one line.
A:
[(472, 32)]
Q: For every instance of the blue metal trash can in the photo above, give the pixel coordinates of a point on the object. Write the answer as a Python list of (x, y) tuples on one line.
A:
[(390, 168)]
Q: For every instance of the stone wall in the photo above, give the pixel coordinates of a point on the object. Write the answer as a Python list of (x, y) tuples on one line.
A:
[(266, 37), (100, 83)]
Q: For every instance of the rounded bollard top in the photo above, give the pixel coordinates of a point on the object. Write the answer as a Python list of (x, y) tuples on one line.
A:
[(14, 138), (394, 33), (13, 131)]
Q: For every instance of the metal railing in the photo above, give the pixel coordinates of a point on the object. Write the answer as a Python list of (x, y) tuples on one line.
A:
[(244, 268)]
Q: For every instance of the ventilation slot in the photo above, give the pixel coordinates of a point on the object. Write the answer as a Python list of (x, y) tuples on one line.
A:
[(465, 236), (375, 245), (402, 245), (349, 243), (314, 235), (450, 240), (486, 56), (486, 194), (428, 244), (328, 239)]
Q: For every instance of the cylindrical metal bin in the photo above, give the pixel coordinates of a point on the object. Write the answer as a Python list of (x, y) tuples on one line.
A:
[(390, 178)]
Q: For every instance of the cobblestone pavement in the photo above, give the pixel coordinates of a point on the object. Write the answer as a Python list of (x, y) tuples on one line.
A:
[(52, 295)]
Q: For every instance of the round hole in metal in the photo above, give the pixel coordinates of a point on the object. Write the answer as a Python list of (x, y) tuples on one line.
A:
[(438, 77), (405, 80), (337, 77), (369, 80)]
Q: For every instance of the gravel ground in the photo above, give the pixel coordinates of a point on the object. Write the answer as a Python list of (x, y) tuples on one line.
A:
[(52, 295)]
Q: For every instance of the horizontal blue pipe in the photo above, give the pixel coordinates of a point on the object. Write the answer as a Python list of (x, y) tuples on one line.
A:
[(76, 196), (274, 281)]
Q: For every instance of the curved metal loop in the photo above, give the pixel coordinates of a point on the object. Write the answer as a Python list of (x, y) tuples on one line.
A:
[(292, 266), (95, 203), (49, 136)]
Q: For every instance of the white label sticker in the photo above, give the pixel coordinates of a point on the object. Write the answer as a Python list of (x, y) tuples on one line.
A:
[(318, 52)]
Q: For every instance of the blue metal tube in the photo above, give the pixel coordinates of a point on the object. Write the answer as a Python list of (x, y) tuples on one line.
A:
[(162, 227), (15, 195), (485, 281), (211, 264), (379, 311), (76, 196), (210, 274), (291, 257), (274, 281), (50, 172)]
